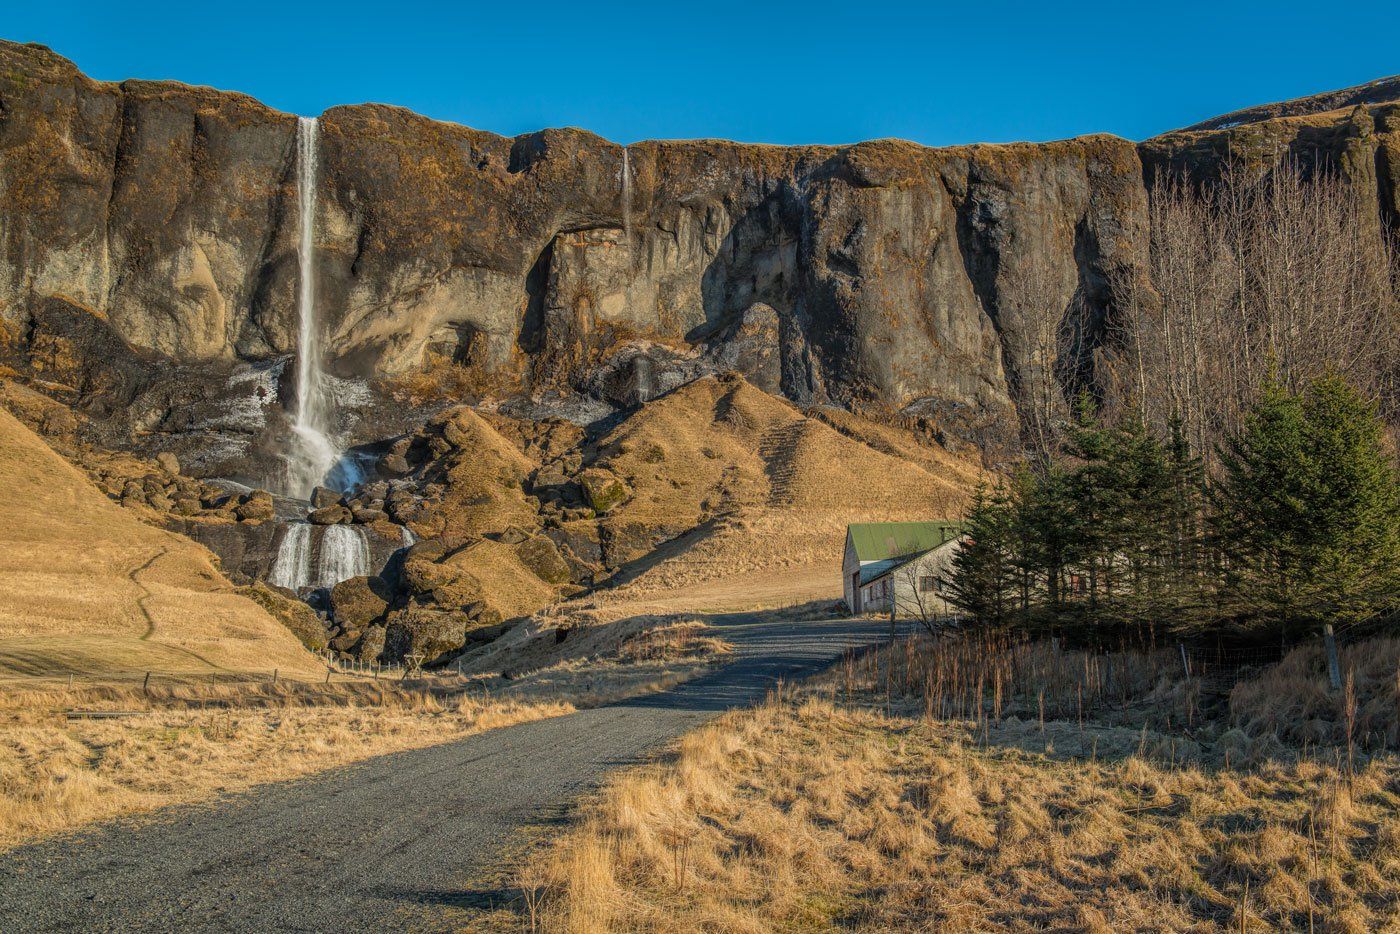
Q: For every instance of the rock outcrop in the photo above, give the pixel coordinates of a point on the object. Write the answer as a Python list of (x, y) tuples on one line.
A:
[(149, 256)]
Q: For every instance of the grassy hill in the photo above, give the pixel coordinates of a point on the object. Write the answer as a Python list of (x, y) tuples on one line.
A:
[(768, 487), (90, 589)]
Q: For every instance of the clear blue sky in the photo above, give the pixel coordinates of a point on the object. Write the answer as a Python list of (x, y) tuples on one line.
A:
[(819, 72)]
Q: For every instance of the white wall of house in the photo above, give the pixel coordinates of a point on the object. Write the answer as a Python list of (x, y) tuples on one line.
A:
[(911, 586), (850, 567), (914, 587)]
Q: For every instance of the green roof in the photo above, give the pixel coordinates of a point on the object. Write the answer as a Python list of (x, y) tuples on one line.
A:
[(881, 541)]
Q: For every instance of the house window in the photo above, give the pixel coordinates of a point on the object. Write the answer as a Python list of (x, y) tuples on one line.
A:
[(928, 585)]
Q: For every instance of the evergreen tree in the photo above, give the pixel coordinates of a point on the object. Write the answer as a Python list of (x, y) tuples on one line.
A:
[(1308, 509), (982, 581)]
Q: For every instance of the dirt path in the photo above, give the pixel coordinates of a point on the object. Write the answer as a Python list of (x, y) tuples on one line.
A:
[(392, 842)]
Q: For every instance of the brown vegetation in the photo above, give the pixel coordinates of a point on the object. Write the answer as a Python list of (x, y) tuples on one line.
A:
[(854, 802), (89, 588), (1294, 275), (190, 743)]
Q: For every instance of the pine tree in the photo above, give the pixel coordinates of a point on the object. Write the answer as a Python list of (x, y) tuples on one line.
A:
[(982, 580), (1308, 509)]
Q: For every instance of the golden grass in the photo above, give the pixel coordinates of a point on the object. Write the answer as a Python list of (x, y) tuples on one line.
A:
[(87, 586), (720, 450), (593, 660), (197, 734), (1293, 699), (870, 800), (57, 774)]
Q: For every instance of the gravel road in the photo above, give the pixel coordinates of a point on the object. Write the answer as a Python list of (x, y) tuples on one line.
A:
[(395, 842)]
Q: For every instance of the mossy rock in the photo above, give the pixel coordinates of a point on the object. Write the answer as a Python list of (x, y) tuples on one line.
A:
[(542, 557), (295, 615), (358, 602), (602, 489)]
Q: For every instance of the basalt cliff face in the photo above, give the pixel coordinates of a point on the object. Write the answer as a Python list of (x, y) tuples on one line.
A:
[(148, 259)]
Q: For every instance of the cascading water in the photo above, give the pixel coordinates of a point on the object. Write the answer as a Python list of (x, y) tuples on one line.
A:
[(344, 554), (292, 568), (311, 454), (627, 204)]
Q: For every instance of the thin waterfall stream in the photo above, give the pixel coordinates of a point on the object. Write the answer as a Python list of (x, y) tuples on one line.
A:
[(306, 558), (311, 454)]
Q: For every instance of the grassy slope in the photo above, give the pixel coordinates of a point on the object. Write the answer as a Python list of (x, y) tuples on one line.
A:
[(783, 486), (92, 590)]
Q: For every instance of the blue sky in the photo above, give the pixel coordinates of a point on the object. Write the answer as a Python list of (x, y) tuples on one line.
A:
[(937, 73)]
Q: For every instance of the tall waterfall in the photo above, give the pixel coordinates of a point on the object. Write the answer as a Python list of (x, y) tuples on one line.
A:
[(311, 454), (344, 554), (292, 567), (627, 204)]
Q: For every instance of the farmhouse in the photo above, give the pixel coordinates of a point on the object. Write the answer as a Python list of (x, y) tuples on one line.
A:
[(898, 564)]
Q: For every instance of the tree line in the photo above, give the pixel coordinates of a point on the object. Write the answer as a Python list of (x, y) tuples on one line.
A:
[(1125, 535), (1237, 477)]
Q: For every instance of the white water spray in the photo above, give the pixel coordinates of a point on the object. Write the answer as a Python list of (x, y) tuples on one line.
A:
[(344, 554), (292, 568), (311, 453)]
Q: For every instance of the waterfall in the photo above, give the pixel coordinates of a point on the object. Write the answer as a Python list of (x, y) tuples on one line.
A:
[(627, 204), (344, 554), (311, 453), (292, 568)]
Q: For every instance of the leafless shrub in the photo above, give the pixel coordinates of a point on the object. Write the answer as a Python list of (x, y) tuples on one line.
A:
[(1275, 273)]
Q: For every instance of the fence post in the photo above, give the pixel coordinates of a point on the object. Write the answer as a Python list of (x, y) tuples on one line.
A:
[(146, 684), (274, 676), (1185, 662), (329, 669), (1334, 668)]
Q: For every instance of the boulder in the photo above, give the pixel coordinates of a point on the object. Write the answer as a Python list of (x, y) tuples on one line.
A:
[(358, 602), (371, 644), (334, 514), (215, 499), (513, 535), (368, 516), (482, 615), (321, 497), (580, 545), (602, 489), (542, 557), (627, 541), (168, 462), (188, 506), (256, 506), (402, 505), (346, 640), (427, 631), (394, 465)]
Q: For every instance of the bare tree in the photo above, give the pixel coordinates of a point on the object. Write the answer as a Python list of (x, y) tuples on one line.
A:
[(1276, 274), (914, 594)]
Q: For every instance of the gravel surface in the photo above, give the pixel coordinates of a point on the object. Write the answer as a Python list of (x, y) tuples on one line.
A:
[(398, 841)]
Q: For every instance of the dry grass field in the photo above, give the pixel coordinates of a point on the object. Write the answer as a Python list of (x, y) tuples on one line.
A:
[(884, 797), (192, 742), (597, 660), (89, 588)]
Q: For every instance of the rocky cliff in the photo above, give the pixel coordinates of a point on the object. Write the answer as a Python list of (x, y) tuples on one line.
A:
[(148, 262)]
